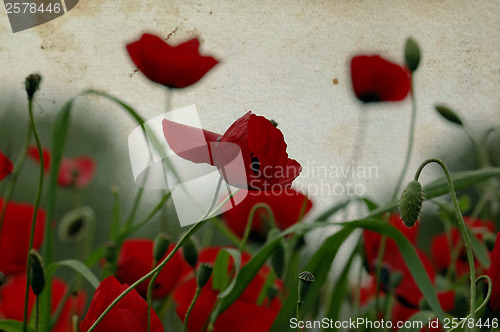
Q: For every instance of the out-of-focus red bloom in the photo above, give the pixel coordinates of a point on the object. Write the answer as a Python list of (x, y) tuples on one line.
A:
[(136, 260), (375, 79), (173, 66), (407, 290), (12, 302), (75, 172), (6, 166), (14, 239), (243, 313), (441, 251), (130, 314), (494, 274), (288, 206), (261, 144)]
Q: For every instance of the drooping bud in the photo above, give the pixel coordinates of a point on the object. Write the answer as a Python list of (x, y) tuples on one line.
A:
[(448, 114), (37, 280), (74, 224), (410, 204), (412, 54), (203, 274), (32, 84), (190, 252), (110, 249), (160, 247), (305, 280)]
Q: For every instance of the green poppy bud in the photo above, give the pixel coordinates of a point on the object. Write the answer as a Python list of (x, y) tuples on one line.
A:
[(305, 280), (32, 84), (190, 252), (272, 292), (37, 280), (448, 114), (203, 274), (278, 255), (74, 224), (412, 54), (160, 247), (410, 204), (110, 249)]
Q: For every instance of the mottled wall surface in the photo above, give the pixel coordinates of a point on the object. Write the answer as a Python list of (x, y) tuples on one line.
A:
[(279, 59)]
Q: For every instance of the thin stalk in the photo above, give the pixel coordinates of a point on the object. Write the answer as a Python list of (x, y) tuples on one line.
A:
[(463, 230), (35, 212), (183, 239), (298, 313), (248, 227), (37, 312), (191, 306)]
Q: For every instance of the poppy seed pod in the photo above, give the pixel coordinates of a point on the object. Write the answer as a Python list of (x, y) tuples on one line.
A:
[(203, 274), (412, 54), (410, 204), (305, 280), (32, 84), (37, 272)]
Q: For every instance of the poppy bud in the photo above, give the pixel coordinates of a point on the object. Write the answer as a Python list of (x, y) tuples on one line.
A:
[(278, 255), (448, 114), (74, 224), (160, 247), (31, 84), (37, 272), (190, 252), (411, 203), (272, 292), (305, 280), (274, 123), (412, 54), (110, 251), (2, 279), (203, 274)]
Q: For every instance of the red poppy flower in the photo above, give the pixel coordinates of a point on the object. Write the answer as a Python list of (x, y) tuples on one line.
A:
[(12, 302), (75, 172), (494, 274), (242, 313), (407, 290), (288, 206), (375, 79), (261, 144), (441, 251), (130, 314), (136, 260), (14, 239), (6, 166), (173, 66)]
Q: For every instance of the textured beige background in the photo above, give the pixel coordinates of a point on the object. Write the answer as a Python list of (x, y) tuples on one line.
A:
[(278, 58)]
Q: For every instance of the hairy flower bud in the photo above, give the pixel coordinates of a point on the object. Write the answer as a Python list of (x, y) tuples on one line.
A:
[(448, 114), (203, 274), (160, 247), (190, 252), (74, 224), (32, 84), (412, 54), (37, 280), (410, 204)]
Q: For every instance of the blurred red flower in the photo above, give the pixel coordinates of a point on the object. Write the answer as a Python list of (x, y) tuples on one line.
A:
[(173, 66), (15, 235), (243, 313), (441, 251), (375, 79), (288, 206), (75, 172), (6, 166), (12, 302), (494, 274), (136, 260), (407, 291), (128, 315), (262, 145)]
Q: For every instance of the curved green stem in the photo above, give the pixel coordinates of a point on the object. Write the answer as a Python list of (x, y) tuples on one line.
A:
[(299, 312), (35, 211), (248, 227), (191, 306), (410, 140), (158, 269), (463, 229)]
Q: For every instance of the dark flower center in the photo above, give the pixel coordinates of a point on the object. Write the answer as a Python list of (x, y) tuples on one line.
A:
[(254, 164), (370, 97)]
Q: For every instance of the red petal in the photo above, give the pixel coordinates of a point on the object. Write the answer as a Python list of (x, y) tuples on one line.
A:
[(76, 172), (376, 79), (6, 166)]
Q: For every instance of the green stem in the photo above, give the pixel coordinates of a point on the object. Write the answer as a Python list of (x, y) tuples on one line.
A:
[(15, 174), (149, 296), (378, 268), (191, 306), (410, 140), (35, 212), (184, 238), (37, 312), (248, 227), (463, 230), (299, 312), (226, 231)]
